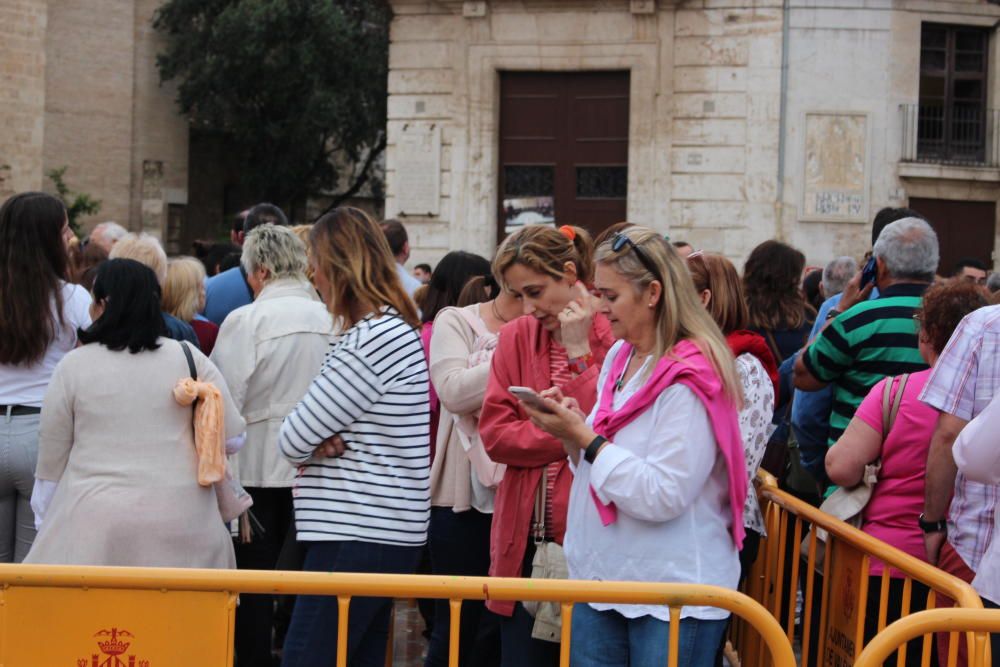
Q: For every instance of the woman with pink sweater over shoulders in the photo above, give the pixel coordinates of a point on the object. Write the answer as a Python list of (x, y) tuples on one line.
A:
[(561, 343), (659, 480)]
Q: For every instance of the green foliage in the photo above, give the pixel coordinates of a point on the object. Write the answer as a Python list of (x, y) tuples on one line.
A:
[(78, 204), (289, 82)]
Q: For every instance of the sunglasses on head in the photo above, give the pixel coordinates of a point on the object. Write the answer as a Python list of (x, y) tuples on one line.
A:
[(620, 240)]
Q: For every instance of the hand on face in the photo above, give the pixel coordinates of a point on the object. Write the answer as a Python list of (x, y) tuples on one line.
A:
[(575, 321), (854, 294)]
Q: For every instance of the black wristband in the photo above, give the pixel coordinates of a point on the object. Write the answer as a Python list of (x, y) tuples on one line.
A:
[(590, 453), (940, 526)]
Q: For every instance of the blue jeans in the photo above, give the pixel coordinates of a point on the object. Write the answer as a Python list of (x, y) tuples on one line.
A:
[(608, 639), (312, 635)]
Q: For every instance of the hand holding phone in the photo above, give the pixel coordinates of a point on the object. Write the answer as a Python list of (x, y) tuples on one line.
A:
[(529, 396), (868, 273)]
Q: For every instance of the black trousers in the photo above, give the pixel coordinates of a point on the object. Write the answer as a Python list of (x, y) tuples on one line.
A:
[(460, 545), (894, 607), (272, 509)]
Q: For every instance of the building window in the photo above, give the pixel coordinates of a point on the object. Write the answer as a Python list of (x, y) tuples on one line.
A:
[(952, 116)]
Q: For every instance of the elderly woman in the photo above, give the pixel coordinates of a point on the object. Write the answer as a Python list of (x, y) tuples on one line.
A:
[(184, 297), (660, 482), (117, 477), (893, 513), (269, 351)]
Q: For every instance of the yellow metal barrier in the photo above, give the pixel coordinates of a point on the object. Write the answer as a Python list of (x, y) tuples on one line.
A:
[(978, 621), (837, 636), (152, 617)]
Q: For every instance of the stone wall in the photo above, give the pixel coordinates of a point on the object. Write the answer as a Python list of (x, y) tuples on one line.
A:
[(703, 108), (22, 89)]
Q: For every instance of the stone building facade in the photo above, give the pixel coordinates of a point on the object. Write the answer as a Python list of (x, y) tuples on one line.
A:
[(746, 119), (80, 89)]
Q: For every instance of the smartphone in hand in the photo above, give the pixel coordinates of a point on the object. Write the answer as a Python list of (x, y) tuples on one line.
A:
[(530, 397), (868, 273)]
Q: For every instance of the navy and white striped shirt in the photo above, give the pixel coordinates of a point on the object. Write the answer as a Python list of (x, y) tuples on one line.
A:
[(372, 391)]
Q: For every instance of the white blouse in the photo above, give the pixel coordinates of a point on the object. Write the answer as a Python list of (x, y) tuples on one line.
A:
[(755, 429), (668, 479)]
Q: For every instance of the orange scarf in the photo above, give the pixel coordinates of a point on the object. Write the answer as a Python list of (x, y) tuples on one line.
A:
[(208, 424)]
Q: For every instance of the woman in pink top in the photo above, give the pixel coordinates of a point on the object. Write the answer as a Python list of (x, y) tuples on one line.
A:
[(898, 498)]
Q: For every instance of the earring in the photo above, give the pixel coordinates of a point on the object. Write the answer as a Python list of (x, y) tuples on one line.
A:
[(652, 305)]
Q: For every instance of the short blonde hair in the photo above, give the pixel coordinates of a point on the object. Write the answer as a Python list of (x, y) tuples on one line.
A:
[(144, 249), (183, 287), (277, 249)]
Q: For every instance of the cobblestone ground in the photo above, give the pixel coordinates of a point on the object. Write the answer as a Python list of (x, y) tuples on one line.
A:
[(409, 646)]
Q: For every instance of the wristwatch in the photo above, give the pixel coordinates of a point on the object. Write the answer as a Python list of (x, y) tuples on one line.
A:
[(832, 313), (590, 453), (940, 526)]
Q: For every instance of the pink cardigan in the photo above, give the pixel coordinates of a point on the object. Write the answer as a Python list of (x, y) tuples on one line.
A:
[(522, 359)]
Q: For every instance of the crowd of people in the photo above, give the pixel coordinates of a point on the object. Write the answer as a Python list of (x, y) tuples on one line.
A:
[(573, 407)]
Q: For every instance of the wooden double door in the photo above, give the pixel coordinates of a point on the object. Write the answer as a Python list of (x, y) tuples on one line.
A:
[(563, 149)]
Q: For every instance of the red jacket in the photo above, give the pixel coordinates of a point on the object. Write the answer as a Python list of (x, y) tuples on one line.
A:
[(522, 359)]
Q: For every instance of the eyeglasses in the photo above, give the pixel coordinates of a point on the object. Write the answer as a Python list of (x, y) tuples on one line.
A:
[(621, 240)]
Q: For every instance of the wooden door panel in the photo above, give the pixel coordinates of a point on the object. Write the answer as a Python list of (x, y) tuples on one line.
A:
[(964, 229)]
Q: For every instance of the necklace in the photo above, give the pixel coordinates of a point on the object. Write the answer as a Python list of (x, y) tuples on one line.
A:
[(496, 313), (621, 378)]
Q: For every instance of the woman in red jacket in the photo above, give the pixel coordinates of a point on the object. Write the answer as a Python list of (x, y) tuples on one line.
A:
[(561, 343)]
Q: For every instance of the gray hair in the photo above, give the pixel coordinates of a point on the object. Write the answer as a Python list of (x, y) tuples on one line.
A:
[(909, 248), (276, 249), (143, 248), (837, 274), (110, 230), (993, 283)]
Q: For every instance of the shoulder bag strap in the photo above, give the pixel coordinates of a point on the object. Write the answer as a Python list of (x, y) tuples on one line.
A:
[(898, 400), (538, 528), (190, 359), (773, 344)]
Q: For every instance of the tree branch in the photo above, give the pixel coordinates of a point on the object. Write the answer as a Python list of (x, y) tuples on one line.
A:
[(360, 180)]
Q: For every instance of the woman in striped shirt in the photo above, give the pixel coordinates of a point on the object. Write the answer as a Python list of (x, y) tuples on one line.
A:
[(360, 437)]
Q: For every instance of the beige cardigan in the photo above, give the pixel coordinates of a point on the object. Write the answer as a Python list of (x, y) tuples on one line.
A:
[(460, 390)]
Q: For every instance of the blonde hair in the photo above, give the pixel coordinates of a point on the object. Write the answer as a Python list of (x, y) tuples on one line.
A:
[(277, 249), (353, 254), (546, 250), (182, 289), (679, 313), (303, 231), (144, 249)]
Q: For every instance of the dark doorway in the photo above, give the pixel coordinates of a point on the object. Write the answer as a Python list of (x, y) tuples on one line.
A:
[(964, 229), (563, 148)]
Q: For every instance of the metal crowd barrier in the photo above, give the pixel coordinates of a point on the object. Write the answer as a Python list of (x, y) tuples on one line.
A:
[(922, 623), (154, 617), (832, 632)]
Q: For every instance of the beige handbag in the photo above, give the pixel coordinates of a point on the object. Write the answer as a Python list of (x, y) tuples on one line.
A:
[(848, 504), (549, 563)]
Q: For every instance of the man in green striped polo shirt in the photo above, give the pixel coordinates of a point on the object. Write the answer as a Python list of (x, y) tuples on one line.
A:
[(870, 340)]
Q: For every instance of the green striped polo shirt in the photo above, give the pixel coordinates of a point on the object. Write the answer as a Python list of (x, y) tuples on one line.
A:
[(870, 341)]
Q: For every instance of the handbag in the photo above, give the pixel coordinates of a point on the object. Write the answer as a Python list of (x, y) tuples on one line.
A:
[(549, 562), (233, 500), (848, 504)]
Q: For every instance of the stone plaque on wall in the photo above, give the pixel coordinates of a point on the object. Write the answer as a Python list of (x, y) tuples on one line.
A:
[(418, 169), (835, 187)]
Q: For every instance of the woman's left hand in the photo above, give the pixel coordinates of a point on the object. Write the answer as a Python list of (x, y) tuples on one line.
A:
[(562, 422)]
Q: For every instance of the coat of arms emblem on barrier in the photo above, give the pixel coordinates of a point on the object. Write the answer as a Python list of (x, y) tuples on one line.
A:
[(113, 644)]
